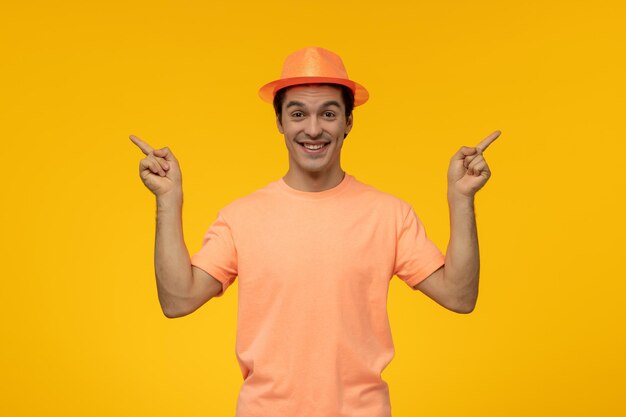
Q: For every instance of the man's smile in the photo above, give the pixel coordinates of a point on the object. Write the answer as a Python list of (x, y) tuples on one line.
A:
[(313, 147)]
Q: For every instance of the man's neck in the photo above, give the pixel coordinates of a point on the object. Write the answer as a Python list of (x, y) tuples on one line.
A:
[(313, 182)]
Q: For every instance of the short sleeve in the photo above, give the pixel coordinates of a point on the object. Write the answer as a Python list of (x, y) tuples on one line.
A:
[(416, 256), (218, 256)]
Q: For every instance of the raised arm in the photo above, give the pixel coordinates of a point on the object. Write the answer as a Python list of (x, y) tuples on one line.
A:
[(181, 288), (455, 285)]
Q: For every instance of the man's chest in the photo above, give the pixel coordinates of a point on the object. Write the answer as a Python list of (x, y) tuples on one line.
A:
[(287, 248)]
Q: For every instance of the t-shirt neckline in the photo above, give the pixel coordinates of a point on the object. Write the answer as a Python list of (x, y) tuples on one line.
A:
[(317, 195)]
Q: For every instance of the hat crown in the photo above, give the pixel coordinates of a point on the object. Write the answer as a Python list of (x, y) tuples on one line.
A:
[(313, 65), (313, 62)]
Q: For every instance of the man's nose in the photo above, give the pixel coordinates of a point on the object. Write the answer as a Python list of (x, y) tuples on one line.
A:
[(313, 127)]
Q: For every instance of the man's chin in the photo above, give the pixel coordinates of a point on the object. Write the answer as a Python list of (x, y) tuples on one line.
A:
[(313, 169)]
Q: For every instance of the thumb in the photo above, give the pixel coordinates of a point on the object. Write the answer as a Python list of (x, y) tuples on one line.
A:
[(463, 152)]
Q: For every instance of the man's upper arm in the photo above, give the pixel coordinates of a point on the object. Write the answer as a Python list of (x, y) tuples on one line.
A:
[(434, 287)]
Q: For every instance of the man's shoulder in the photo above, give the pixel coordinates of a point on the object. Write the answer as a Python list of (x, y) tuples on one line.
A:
[(373, 196), (255, 199)]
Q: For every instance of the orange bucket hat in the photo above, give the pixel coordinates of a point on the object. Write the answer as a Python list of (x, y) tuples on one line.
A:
[(313, 65)]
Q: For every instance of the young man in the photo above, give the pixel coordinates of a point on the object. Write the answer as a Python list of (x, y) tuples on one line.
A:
[(314, 252)]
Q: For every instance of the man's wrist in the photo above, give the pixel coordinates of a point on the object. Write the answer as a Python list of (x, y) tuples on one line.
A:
[(456, 199), (170, 201)]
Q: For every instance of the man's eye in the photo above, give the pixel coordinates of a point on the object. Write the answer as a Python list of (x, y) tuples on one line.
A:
[(297, 114), (329, 114)]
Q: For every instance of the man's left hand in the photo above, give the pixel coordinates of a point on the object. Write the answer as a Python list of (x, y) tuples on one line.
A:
[(468, 171)]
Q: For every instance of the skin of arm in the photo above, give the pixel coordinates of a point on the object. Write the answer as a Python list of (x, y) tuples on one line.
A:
[(181, 288), (171, 259), (455, 285)]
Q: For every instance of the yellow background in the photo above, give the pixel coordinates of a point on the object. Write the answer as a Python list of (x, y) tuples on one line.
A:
[(82, 330)]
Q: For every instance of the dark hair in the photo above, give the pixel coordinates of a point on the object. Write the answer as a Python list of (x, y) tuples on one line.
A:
[(346, 94)]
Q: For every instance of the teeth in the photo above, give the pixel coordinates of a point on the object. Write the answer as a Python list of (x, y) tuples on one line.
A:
[(313, 147)]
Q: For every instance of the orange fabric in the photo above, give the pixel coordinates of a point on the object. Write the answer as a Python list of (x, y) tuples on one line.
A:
[(313, 65), (313, 274)]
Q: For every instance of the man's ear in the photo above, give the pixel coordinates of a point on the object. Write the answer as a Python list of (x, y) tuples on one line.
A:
[(349, 124), (279, 125)]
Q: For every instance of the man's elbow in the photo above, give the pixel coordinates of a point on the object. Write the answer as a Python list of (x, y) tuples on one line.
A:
[(465, 301), (465, 309), (173, 310), (181, 309), (172, 314), (465, 306)]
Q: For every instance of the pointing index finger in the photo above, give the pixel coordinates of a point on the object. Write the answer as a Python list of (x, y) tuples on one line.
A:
[(487, 141), (145, 148)]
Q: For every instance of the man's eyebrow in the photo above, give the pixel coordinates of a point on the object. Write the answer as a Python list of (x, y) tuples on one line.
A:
[(328, 103), (331, 103), (294, 103)]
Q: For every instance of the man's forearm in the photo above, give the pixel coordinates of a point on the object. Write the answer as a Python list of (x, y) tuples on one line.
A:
[(171, 257), (462, 262)]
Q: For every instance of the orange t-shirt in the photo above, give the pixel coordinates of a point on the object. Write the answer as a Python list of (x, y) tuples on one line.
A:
[(313, 334)]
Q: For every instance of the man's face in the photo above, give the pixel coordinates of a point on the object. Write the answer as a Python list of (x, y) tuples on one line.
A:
[(314, 124)]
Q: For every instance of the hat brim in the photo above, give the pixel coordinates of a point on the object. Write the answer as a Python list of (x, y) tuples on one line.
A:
[(268, 90)]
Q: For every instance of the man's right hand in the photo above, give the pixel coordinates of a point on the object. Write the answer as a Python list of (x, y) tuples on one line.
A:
[(159, 170)]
